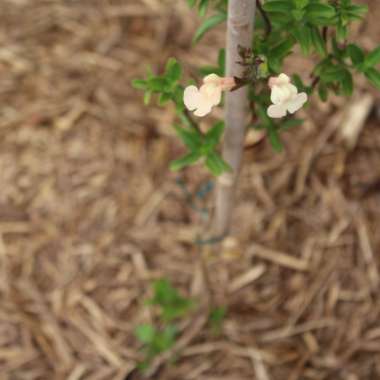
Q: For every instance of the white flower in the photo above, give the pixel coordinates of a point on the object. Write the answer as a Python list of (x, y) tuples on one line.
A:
[(284, 96), (210, 93)]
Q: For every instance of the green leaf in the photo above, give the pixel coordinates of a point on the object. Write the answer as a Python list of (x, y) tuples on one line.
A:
[(172, 304), (166, 339), (280, 6), (209, 24), (346, 81), (139, 84), (282, 49), (322, 92), (145, 333), (279, 52), (298, 14), (191, 3), (202, 9), (357, 10), (373, 76), (274, 138), (221, 61), (318, 42), (331, 73), (164, 98), (214, 135), (216, 164), (320, 10), (356, 54), (373, 58), (300, 4), (177, 94), (296, 79), (158, 84), (187, 160), (290, 123), (190, 137), (303, 35), (341, 32), (173, 70), (281, 18)]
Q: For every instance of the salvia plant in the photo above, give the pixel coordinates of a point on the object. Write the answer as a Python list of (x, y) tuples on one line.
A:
[(259, 95)]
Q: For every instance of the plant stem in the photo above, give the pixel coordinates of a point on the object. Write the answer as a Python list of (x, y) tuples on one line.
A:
[(189, 120), (268, 25), (240, 23)]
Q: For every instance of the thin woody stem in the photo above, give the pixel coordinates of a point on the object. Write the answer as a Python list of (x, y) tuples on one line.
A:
[(268, 25), (239, 33), (191, 122)]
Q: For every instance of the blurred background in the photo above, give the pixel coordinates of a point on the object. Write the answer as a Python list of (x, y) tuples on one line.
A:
[(90, 215)]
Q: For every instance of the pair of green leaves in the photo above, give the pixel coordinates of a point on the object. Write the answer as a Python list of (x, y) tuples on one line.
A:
[(314, 12), (166, 85), (201, 147), (309, 37), (366, 63), (172, 305), (337, 76)]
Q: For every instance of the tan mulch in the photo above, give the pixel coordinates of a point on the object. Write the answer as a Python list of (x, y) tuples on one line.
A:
[(90, 214)]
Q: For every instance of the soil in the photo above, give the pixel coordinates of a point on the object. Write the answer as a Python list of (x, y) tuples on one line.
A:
[(90, 214)]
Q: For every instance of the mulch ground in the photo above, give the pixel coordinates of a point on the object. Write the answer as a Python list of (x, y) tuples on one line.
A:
[(90, 214)]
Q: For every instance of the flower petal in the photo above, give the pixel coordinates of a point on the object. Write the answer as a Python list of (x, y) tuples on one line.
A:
[(278, 94), (276, 111), (297, 103), (212, 94), (283, 79), (191, 98), (203, 109), (212, 78), (292, 89)]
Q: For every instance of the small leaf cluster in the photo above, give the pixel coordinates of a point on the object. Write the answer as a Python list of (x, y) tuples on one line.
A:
[(171, 304), (166, 86), (156, 339), (201, 146)]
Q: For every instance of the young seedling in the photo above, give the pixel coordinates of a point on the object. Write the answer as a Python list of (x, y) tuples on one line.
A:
[(161, 337)]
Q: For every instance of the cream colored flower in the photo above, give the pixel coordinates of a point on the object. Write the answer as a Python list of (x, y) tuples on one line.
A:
[(210, 94), (284, 96)]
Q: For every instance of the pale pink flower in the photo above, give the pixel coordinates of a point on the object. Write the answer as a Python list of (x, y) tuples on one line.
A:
[(210, 94), (284, 96)]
